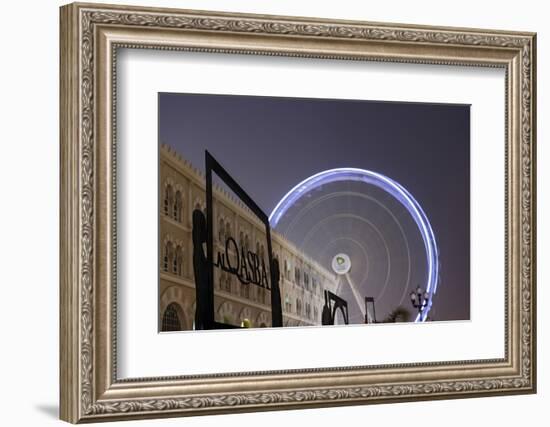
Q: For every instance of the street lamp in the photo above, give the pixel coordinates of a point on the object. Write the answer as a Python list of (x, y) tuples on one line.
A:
[(419, 299)]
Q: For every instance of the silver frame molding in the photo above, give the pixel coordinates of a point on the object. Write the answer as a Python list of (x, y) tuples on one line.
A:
[(90, 37)]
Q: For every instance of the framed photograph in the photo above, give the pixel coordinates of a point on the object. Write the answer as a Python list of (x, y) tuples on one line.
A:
[(266, 212)]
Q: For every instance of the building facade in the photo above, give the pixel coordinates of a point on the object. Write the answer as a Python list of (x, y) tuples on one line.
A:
[(302, 280)]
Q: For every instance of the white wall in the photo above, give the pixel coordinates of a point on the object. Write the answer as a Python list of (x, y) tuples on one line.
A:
[(29, 215)]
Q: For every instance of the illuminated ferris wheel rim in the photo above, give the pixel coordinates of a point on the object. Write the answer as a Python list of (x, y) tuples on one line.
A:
[(388, 185)]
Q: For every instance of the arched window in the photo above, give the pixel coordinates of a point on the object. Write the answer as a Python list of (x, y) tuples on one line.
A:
[(297, 275), (245, 290), (175, 264), (228, 230), (246, 243), (287, 270), (260, 295), (178, 203), (257, 248), (168, 254), (288, 304), (221, 231), (168, 199), (298, 306), (178, 261), (170, 318)]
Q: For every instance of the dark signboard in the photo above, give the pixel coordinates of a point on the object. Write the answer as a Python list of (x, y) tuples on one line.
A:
[(249, 267)]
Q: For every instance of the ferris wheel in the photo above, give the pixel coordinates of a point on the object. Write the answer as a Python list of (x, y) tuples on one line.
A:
[(368, 230)]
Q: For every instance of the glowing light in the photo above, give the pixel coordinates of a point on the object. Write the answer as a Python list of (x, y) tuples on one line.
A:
[(341, 264), (390, 186)]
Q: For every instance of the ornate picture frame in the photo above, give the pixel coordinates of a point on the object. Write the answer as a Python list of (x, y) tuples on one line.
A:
[(90, 37)]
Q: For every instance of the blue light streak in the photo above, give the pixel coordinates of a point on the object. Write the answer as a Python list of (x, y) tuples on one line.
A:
[(391, 187)]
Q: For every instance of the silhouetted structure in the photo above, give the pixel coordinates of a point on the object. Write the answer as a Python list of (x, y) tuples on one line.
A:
[(420, 299), (276, 308), (370, 313), (332, 303), (204, 265), (204, 313)]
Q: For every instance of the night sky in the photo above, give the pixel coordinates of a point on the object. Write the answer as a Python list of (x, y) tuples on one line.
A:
[(270, 144)]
